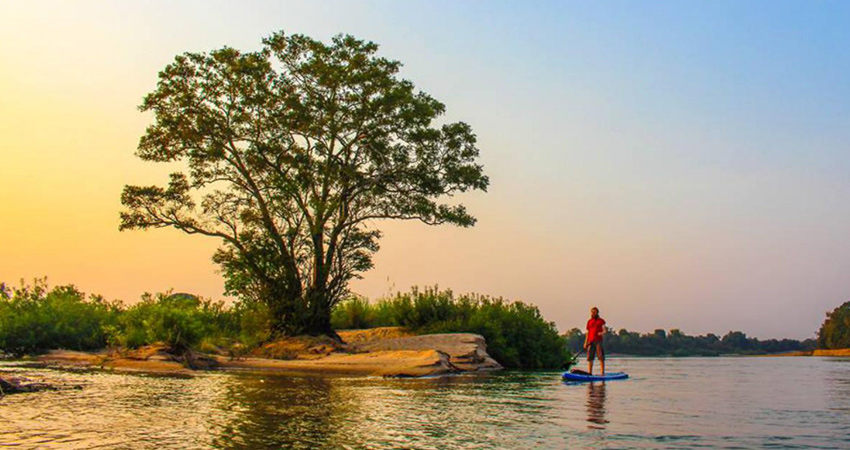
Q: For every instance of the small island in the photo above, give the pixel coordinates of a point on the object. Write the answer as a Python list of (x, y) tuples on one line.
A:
[(426, 332)]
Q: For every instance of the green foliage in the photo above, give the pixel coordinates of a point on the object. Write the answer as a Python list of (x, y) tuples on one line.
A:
[(835, 331), (293, 152), (354, 313), (517, 335), (178, 320), (676, 343), (253, 321), (34, 317)]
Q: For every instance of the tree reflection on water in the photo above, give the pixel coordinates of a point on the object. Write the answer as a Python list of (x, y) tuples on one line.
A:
[(269, 411)]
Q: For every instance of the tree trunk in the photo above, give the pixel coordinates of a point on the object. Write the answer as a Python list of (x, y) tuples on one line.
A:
[(307, 314), (319, 320)]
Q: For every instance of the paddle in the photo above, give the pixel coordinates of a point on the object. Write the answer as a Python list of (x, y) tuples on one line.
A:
[(573, 361)]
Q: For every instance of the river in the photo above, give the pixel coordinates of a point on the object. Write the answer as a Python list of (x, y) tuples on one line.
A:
[(727, 402)]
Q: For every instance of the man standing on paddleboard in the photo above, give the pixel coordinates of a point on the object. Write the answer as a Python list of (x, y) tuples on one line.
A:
[(593, 340)]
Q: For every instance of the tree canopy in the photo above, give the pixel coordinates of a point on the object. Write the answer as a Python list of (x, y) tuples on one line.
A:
[(292, 153), (835, 331)]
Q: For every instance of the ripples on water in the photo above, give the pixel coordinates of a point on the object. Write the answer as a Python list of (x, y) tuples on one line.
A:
[(669, 403)]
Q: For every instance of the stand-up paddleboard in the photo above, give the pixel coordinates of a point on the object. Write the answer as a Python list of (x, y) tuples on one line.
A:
[(569, 376)]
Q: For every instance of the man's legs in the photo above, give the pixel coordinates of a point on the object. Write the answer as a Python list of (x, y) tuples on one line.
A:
[(600, 353), (591, 352)]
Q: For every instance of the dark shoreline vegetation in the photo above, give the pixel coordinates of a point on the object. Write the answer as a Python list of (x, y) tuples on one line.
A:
[(676, 343)]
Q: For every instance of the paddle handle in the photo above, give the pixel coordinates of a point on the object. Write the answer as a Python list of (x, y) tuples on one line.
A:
[(575, 358)]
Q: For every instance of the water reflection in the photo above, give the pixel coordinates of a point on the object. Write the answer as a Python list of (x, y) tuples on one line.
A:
[(668, 405), (268, 411), (596, 405)]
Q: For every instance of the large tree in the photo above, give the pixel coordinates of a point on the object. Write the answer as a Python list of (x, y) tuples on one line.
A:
[(291, 155)]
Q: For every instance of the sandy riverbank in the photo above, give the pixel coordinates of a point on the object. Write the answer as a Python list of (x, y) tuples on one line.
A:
[(380, 351), (836, 352), (822, 352)]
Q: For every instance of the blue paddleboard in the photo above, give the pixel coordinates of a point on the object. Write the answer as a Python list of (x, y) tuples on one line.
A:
[(569, 376)]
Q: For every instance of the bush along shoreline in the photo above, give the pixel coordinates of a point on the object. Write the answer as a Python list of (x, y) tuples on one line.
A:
[(834, 334), (35, 319), (517, 335)]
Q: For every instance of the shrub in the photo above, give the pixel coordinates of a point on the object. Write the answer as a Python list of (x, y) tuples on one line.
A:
[(835, 331), (356, 313), (517, 335), (34, 318), (181, 321), (253, 322)]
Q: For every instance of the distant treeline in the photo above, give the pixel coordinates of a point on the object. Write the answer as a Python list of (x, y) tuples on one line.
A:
[(676, 343)]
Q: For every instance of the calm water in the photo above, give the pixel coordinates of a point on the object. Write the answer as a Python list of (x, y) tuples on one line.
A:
[(669, 403)]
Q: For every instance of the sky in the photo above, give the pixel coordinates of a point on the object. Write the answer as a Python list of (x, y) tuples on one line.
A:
[(677, 164)]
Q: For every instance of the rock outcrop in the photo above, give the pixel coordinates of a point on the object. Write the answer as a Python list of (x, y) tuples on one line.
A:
[(401, 363), (386, 351), (155, 358), (14, 385), (389, 351), (466, 351)]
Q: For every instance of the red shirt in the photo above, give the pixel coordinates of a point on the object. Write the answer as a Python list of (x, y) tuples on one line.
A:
[(595, 329)]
